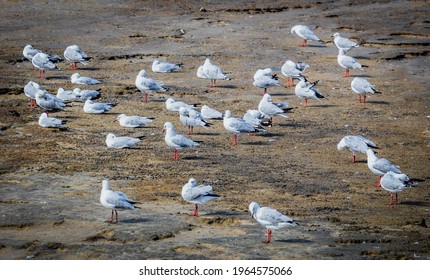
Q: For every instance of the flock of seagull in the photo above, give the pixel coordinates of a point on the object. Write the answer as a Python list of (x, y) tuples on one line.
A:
[(390, 176)]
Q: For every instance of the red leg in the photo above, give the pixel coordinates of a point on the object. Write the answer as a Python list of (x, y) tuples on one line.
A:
[(353, 158), (391, 199), (145, 97), (269, 234), (347, 73), (305, 43), (379, 182), (397, 199), (305, 104), (235, 140), (214, 83), (270, 122), (364, 99)]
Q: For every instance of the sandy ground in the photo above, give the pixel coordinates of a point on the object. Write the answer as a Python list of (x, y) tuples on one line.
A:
[(50, 179)]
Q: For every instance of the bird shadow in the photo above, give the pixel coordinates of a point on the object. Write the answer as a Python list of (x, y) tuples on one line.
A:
[(378, 102), (134, 221), (257, 143), (60, 77), (362, 76), (226, 86), (415, 203), (88, 69), (361, 57), (324, 106), (317, 46), (208, 134), (194, 158), (272, 134), (295, 240)]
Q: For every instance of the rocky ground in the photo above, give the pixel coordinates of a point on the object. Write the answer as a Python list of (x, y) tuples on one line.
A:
[(50, 179)]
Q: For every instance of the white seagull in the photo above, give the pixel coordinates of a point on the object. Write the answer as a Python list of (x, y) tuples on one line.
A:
[(395, 183), (147, 85), (66, 95), (120, 142), (291, 70), (173, 105), (270, 218), (191, 118), (270, 109), (176, 141), (264, 78), (45, 121), (348, 62), (75, 55), (30, 90), (115, 200), (92, 107), (164, 67), (380, 166), (306, 34), (210, 113), (29, 52), (76, 78), (197, 194), (213, 72), (362, 87), (43, 62), (356, 144), (343, 43), (133, 121), (307, 91), (238, 125), (85, 94), (48, 101), (256, 118)]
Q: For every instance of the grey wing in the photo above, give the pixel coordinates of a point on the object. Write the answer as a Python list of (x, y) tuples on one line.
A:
[(385, 165), (274, 216), (182, 141)]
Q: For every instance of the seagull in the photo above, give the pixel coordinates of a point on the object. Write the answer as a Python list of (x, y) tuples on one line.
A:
[(356, 144), (48, 101), (76, 78), (147, 85), (76, 55), (120, 142), (133, 121), (191, 118), (256, 118), (92, 107), (164, 67), (306, 34), (176, 141), (213, 72), (264, 78), (210, 113), (45, 121), (380, 166), (115, 200), (270, 109), (238, 125), (85, 94), (291, 70), (42, 62), (305, 90), (197, 194), (270, 218), (66, 95), (29, 52), (348, 62), (343, 43), (173, 105), (30, 90), (362, 87), (395, 183)]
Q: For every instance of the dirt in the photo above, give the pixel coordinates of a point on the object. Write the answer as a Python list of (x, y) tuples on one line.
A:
[(50, 179)]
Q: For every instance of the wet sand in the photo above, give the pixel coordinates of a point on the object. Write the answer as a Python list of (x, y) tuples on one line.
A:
[(50, 179)]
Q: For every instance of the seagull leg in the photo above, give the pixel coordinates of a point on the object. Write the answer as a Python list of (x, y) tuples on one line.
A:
[(379, 183), (305, 104), (364, 99), (235, 140), (116, 215), (353, 158), (305, 43), (347, 73), (391, 199), (145, 97), (73, 64), (397, 199), (111, 218), (269, 234), (270, 122)]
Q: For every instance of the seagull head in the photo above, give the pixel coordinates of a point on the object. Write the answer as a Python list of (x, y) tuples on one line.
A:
[(192, 182), (167, 126), (183, 111), (142, 73), (105, 184), (227, 114), (335, 35), (253, 207)]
